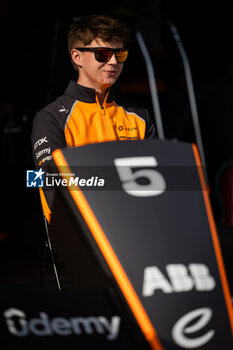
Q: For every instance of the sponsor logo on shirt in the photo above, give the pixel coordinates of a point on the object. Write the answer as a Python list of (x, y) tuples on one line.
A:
[(40, 142)]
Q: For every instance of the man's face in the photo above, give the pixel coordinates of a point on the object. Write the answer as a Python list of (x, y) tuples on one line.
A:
[(96, 74)]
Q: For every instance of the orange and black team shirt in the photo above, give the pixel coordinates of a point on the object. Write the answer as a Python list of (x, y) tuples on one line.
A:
[(76, 118)]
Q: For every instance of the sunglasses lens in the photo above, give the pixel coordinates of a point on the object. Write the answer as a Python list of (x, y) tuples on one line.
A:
[(121, 56), (103, 55)]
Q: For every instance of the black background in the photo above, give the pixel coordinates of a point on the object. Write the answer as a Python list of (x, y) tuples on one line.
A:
[(35, 69)]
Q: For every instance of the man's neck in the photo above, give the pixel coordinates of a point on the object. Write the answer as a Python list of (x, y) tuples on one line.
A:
[(101, 94), (100, 91)]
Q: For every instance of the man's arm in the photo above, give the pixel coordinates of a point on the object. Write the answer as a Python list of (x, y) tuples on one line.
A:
[(150, 128), (47, 135)]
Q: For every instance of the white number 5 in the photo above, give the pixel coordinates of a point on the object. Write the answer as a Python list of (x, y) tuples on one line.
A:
[(124, 167)]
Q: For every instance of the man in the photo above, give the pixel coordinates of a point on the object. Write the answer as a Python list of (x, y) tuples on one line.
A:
[(87, 112)]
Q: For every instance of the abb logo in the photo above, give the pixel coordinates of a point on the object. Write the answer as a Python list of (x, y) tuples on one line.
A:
[(179, 279)]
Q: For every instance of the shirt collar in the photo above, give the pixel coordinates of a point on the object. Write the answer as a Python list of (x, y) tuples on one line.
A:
[(85, 94)]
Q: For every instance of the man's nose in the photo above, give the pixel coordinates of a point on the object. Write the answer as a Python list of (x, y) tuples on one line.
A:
[(113, 59)]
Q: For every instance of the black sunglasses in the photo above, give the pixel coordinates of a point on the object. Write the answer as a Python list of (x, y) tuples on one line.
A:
[(103, 54)]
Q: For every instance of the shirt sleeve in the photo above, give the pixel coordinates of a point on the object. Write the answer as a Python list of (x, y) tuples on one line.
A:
[(150, 128), (47, 135)]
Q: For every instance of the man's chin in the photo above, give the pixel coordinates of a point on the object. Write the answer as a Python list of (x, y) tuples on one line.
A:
[(111, 80), (108, 83)]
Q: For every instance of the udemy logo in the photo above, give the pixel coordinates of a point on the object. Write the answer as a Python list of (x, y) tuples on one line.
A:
[(19, 326)]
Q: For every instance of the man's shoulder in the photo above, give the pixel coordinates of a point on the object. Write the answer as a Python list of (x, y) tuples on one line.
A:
[(61, 105), (141, 112), (56, 110)]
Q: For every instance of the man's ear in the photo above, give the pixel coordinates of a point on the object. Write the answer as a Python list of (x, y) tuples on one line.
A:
[(76, 57)]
